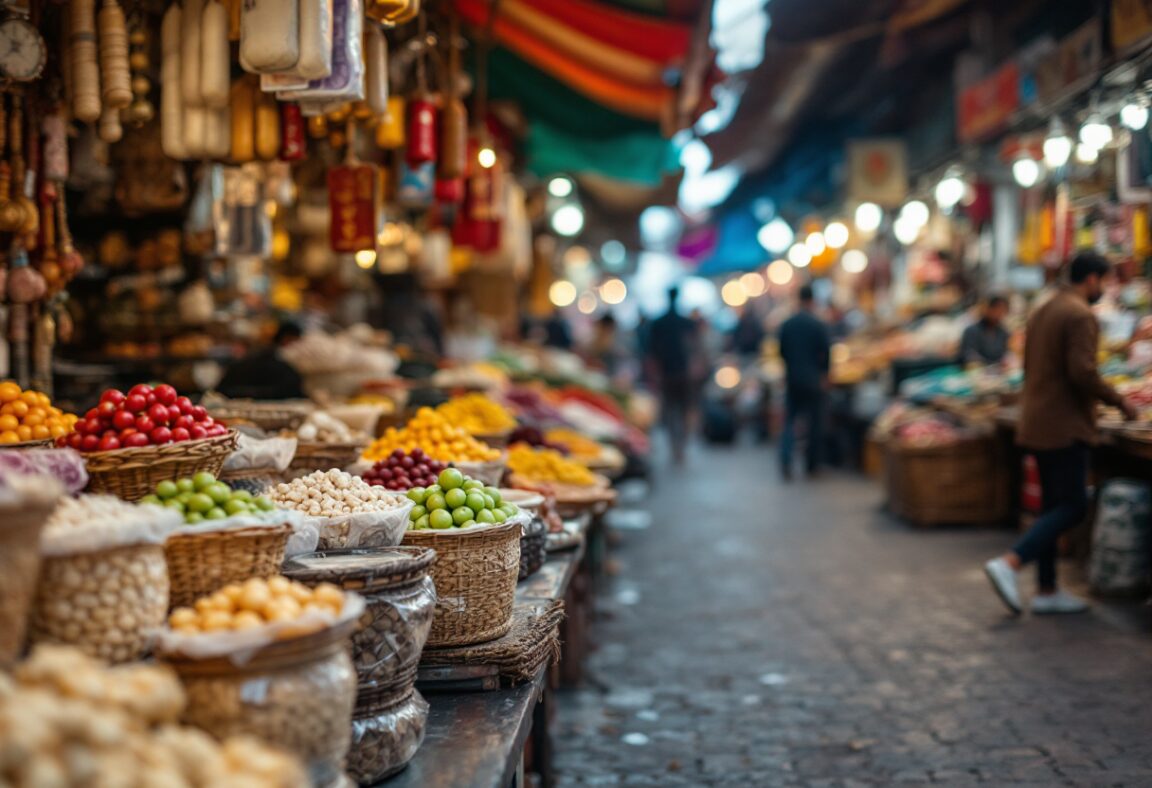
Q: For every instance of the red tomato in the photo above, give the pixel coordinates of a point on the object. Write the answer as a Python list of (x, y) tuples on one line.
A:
[(107, 409), (217, 429), (75, 439), (140, 389), (123, 419), (184, 422), (144, 423), (184, 404), (200, 413), (198, 432), (173, 414), (160, 435), (165, 394), (93, 414), (90, 443), (126, 432), (136, 440), (150, 399), (180, 434), (115, 396), (136, 402), (158, 413), (109, 442)]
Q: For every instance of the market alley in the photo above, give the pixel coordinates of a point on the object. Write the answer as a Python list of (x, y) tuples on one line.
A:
[(763, 634)]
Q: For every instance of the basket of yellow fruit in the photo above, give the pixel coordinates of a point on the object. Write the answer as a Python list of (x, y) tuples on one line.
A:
[(441, 440), (592, 454), (481, 417), (28, 420), (575, 487)]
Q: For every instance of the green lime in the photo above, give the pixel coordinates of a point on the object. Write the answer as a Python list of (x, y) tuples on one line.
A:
[(422, 523), (485, 516), (416, 495), (167, 489), (264, 504), (509, 509), (215, 513), (199, 502), (241, 495), (435, 501), (476, 501), (219, 492), (417, 512), (494, 494), (473, 484), (193, 517), (499, 516), (455, 498), (462, 514), (203, 480), (468, 524), (440, 519), (185, 485), (236, 506), (435, 488), (488, 502), (174, 504), (450, 479), (152, 499)]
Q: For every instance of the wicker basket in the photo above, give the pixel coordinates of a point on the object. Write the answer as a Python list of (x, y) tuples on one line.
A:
[(497, 440), (962, 482), (322, 457), (202, 563), (48, 443), (475, 578), (104, 602), (19, 565), (533, 547), (133, 473), (268, 416), (296, 694)]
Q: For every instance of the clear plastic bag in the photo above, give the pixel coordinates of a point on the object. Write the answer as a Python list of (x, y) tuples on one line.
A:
[(261, 454), (386, 733)]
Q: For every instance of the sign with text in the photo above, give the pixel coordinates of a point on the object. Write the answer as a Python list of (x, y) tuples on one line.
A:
[(352, 204)]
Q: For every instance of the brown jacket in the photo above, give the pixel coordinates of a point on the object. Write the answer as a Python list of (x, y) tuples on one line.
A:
[(1061, 381)]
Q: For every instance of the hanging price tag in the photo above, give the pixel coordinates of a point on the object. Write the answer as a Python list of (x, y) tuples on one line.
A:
[(352, 199)]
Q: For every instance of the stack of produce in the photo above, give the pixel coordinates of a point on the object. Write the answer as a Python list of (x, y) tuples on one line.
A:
[(579, 447), (402, 471), (69, 721), (439, 438), (534, 436), (258, 602), (546, 465), (145, 416), (477, 414), (322, 427), (332, 493), (202, 497), (457, 501), (30, 416)]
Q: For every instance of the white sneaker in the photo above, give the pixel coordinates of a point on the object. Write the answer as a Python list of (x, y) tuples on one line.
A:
[(1003, 579), (1060, 602)]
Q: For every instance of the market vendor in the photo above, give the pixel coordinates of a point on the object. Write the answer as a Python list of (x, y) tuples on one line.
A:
[(985, 342), (263, 373)]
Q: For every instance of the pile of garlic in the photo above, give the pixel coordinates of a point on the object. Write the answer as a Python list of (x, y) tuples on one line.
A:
[(67, 720), (332, 493), (323, 427)]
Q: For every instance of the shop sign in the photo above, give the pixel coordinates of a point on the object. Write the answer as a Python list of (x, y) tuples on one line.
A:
[(1131, 22), (985, 107), (352, 204), (878, 171), (1076, 58)]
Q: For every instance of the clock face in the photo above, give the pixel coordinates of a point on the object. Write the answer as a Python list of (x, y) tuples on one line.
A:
[(22, 50)]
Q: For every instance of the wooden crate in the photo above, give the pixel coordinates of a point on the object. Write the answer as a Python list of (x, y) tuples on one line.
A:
[(966, 482)]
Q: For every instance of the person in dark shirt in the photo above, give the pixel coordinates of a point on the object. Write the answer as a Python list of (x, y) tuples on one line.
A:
[(986, 341), (673, 350), (805, 348), (263, 374)]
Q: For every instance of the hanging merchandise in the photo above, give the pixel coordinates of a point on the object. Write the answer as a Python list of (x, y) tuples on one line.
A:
[(85, 67), (393, 12), (215, 58), (293, 145), (269, 35), (141, 110), (241, 224), (449, 191), (421, 131), (346, 81), (115, 77), (453, 119), (415, 186), (171, 100), (352, 205), (267, 127), (376, 66), (243, 120), (390, 129)]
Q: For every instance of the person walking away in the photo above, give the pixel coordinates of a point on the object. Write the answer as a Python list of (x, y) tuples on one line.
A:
[(673, 356), (1058, 424), (805, 347), (985, 342)]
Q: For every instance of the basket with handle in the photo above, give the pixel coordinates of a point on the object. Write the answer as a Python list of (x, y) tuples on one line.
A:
[(475, 575), (201, 563), (133, 473)]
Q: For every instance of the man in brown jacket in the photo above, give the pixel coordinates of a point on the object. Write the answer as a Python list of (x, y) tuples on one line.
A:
[(1058, 424)]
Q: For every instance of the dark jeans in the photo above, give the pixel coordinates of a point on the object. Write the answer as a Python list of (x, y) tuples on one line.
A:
[(1064, 483), (808, 407), (675, 402)]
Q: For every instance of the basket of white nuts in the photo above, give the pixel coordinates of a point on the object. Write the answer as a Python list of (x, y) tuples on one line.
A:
[(103, 584), (348, 511)]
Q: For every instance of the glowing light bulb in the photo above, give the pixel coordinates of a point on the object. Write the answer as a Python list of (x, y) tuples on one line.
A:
[(799, 255), (366, 258), (836, 235), (868, 217), (560, 186), (486, 157), (1026, 171), (562, 292)]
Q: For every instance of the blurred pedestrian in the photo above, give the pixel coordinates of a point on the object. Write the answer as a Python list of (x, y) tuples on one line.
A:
[(263, 373), (805, 347), (673, 358), (605, 349), (1058, 424), (985, 342)]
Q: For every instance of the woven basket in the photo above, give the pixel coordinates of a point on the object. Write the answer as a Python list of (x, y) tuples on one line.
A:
[(497, 440), (475, 576), (202, 563), (19, 565), (322, 457), (104, 602), (26, 445), (962, 482), (133, 473), (533, 547), (268, 416)]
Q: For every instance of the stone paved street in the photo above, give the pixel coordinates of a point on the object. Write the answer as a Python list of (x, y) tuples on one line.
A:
[(758, 634)]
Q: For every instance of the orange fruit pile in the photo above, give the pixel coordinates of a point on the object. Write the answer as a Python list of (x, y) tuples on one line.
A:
[(30, 416), (439, 438)]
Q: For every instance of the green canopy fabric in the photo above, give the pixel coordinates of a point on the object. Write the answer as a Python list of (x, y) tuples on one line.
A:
[(638, 157)]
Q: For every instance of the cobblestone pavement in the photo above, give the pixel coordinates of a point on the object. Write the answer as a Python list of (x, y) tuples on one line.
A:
[(758, 634)]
